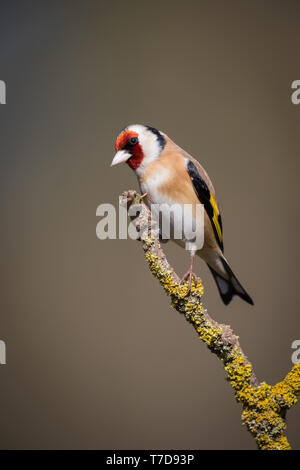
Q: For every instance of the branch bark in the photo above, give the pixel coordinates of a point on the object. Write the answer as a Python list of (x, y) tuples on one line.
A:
[(263, 406)]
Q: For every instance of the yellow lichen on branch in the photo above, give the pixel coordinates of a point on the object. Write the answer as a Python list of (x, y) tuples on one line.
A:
[(263, 406)]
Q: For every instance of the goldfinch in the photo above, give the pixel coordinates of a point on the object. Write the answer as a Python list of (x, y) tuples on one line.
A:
[(169, 175)]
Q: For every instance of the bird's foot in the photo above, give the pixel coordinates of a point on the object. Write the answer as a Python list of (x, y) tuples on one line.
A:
[(189, 275)]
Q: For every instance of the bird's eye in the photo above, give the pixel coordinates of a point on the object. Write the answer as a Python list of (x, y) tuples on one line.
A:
[(133, 140)]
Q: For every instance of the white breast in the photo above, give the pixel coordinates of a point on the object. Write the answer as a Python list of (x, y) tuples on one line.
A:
[(176, 220), (152, 184)]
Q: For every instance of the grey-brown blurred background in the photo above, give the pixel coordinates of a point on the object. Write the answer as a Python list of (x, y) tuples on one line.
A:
[(96, 358)]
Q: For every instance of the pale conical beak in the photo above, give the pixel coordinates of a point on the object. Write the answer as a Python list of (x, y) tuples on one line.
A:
[(120, 157)]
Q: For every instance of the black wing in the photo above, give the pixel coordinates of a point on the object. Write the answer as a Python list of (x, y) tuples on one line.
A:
[(206, 198)]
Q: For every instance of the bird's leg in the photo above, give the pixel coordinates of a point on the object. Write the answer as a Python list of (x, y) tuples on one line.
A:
[(190, 273)]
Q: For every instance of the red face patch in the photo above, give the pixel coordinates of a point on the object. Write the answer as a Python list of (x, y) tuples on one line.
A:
[(123, 139), (123, 143)]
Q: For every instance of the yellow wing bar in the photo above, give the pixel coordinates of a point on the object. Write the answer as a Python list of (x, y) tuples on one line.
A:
[(216, 219)]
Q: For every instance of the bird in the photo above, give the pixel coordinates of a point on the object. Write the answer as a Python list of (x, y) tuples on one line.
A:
[(167, 174)]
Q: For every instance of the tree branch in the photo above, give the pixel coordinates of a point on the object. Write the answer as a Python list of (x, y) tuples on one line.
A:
[(263, 406)]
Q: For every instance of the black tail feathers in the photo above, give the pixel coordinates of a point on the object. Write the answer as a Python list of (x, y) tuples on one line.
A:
[(231, 287)]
